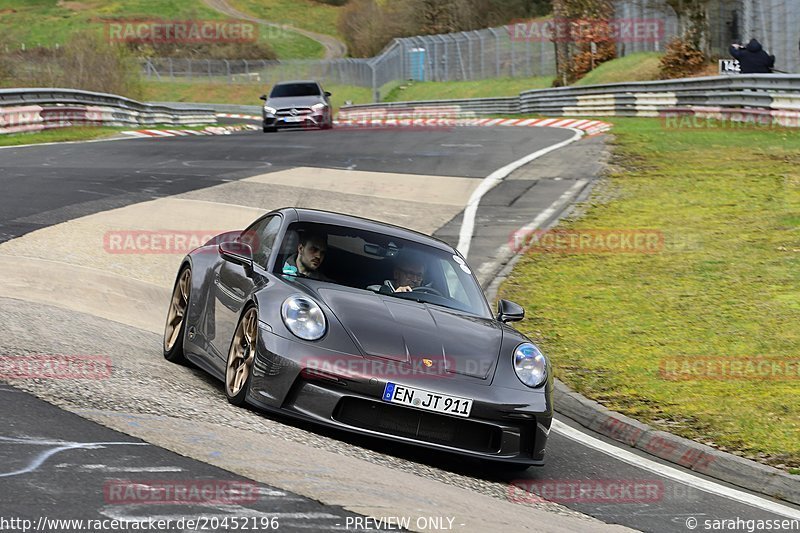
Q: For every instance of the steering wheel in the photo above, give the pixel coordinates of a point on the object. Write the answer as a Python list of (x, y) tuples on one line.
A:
[(427, 290)]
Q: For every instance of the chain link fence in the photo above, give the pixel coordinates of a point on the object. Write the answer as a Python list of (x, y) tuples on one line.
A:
[(503, 52), (476, 55)]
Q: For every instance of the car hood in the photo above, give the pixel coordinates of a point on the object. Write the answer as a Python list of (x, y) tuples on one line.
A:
[(294, 101), (408, 332)]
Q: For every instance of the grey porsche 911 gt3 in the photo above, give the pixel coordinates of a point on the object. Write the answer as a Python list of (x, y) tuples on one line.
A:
[(366, 327)]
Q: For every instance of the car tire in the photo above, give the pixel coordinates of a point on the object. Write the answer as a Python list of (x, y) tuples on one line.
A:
[(241, 355), (175, 328), (269, 129)]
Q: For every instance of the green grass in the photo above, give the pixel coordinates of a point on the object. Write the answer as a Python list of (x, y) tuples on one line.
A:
[(435, 90), (45, 22), (306, 14), (50, 22), (82, 133), (726, 285), (292, 45), (242, 93), (58, 135), (635, 67)]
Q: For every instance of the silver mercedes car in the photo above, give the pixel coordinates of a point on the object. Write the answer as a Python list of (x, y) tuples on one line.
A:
[(297, 104)]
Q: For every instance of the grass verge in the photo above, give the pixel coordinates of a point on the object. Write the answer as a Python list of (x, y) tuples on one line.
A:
[(436, 90), (241, 94), (50, 22), (58, 135), (724, 287), (642, 66), (81, 133), (306, 14)]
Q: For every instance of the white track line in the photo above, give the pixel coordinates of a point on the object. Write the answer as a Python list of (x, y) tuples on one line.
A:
[(468, 224), (673, 473), (523, 232)]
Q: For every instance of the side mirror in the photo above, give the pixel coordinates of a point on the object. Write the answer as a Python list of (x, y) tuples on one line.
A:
[(237, 252), (263, 97), (327, 94), (509, 311)]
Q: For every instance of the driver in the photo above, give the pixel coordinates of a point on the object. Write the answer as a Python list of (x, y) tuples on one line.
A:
[(409, 271)]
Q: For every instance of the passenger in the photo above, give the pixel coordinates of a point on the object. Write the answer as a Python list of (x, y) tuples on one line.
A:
[(409, 271), (310, 254)]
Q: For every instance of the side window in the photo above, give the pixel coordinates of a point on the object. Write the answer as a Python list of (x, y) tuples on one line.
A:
[(261, 236)]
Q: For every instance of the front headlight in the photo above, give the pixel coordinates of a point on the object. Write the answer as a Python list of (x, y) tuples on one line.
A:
[(304, 317), (318, 107), (270, 110), (530, 365)]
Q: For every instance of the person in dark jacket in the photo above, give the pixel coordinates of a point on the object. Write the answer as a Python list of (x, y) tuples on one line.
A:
[(752, 58)]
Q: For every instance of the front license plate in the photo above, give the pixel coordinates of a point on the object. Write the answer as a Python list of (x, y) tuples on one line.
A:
[(427, 400), (293, 119)]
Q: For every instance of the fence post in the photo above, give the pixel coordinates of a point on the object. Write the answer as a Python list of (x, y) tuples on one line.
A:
[(376, 96), (445, 59), (228, 70), (496, 50), (483, 56), (513, 59)]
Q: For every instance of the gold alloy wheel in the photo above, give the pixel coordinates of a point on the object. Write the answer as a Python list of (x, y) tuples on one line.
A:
[(242, 353), (177, 309)]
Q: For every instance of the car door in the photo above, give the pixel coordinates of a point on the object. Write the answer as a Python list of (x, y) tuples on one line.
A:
[(235, 283)]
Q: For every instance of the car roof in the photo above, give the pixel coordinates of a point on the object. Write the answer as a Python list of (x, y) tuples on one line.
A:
[(340, 219), (295, 81)]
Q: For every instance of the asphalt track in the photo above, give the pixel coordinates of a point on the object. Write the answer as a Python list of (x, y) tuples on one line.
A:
[(49, 188)]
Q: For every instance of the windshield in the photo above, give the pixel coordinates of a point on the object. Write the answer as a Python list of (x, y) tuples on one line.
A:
[(380, 264), (295, 89)]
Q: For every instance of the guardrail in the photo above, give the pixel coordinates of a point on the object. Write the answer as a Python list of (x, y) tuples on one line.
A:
[(218, 108), (24, 110), (775, 96)]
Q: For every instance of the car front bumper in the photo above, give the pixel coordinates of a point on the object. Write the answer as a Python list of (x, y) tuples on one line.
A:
[(316, 120), (505, 424)]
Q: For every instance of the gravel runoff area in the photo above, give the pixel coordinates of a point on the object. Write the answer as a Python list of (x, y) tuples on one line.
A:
[(143, 383)]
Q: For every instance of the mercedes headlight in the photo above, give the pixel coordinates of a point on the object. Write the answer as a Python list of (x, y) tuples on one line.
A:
[(270, 110), (303, 317), (319, 107), (530, 365)]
